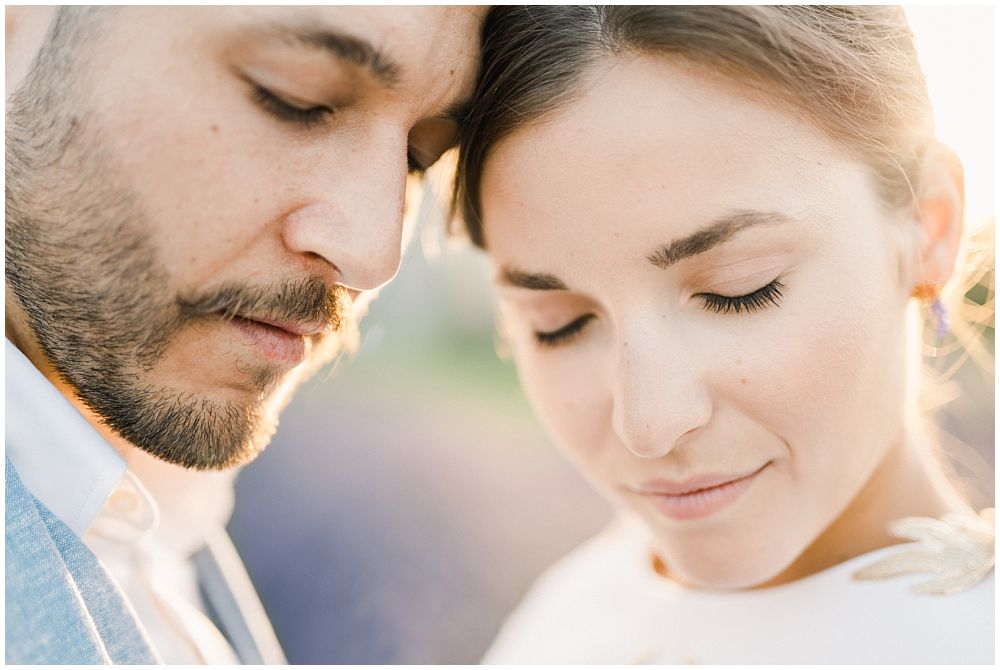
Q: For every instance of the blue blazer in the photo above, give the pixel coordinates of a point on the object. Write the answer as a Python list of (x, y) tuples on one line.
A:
[(63, 608)]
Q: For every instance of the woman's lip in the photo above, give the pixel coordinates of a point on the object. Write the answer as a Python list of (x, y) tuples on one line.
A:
[(692, 485), (699, 497)]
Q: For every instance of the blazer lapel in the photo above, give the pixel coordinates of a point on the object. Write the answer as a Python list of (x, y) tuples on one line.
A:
[(62, 607), (233, 603)]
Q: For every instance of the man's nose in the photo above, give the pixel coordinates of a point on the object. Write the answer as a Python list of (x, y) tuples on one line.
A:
[(354, 219), (660, 398)]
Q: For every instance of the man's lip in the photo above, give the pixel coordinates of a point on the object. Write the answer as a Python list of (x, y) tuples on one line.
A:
[(293, 327), (666, 487)]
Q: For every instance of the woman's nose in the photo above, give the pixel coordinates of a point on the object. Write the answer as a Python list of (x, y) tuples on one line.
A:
[(660, 399)]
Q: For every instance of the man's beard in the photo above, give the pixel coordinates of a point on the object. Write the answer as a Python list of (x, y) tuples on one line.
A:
[(102, 308)]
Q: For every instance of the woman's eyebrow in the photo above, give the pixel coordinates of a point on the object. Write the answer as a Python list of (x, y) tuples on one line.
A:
[(536, 281), (714, 234)]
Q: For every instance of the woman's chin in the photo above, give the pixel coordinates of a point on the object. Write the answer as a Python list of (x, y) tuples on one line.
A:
[(724, 570)]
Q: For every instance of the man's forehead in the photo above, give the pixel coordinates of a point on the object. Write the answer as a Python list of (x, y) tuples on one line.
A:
[(415, 35), (424, 46)]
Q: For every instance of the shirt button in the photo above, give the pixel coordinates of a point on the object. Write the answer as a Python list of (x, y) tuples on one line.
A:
[(124, 502)]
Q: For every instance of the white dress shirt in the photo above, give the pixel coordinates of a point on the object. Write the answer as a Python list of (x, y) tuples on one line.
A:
[(142, 518)]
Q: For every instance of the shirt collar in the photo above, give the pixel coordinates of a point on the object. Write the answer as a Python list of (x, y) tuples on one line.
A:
[(58, 454)]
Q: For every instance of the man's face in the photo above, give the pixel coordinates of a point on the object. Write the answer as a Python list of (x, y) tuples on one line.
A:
[(196, 195)]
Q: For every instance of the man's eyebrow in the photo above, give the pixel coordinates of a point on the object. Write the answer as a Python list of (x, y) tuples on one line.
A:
[(714, 234), (351, 48), (536, 281)]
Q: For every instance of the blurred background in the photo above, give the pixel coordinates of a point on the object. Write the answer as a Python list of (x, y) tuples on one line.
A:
[(410, 497)]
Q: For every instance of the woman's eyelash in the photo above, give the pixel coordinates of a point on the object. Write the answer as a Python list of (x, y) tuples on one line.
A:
[(287, 112), (755, 301), (564, 334)]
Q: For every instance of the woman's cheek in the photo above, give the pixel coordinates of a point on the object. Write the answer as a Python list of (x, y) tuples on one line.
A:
[(819, 388), (566, 389)]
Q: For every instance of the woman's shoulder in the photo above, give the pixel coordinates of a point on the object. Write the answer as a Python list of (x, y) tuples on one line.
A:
[(575, 596), (603, 603), (617, 558)]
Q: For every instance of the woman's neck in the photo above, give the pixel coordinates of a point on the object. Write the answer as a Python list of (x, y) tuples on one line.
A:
[(904, 484)]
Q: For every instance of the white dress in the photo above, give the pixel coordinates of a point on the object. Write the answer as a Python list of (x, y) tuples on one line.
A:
[(604, 603)]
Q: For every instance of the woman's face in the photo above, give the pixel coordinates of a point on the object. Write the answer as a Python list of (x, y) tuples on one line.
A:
[(706, 305)]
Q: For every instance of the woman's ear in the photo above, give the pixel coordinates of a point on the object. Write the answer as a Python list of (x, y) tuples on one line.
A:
[(940, 215)]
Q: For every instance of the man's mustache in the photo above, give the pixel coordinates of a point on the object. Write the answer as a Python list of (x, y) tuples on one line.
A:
[(310, 301)]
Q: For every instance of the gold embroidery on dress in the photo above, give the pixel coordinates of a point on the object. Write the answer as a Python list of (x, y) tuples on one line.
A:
[(958, 549)]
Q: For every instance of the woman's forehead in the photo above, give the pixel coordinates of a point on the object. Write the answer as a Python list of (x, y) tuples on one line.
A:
[(648, 139)]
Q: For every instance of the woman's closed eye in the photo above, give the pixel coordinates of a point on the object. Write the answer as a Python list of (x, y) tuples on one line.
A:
[(563, 335), (766, 296), (755, 301)]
